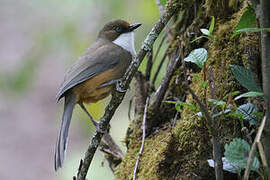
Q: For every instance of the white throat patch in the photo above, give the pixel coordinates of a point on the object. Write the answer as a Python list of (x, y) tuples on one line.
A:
[(126, 41)]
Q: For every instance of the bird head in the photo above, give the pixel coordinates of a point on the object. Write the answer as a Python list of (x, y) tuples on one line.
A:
[(113, 29)]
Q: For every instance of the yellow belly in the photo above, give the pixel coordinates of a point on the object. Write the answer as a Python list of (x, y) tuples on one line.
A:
[(89, 91)]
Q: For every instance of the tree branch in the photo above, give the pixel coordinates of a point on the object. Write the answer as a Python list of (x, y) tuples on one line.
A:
[(149, 65), (117, 97), (253, 150), (159, 67), (160, 7), (217, 155), (265, 44), (159, 47), (143, 138), (159, 95)]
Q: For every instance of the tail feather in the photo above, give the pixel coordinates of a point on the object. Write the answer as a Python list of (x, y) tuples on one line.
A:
[(61, 144)]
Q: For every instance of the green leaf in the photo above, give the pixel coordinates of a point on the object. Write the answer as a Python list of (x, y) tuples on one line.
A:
[(252, 30), (180, 103), (197, 56), (245, 77), (211, 28), (217, 102), (205, 32), (204, 84), (234, 93), (250, 94), (247, 20), (237, 115), (258, 114), (221, 113), (237, 154), (200, 37), (248, 110), (178, 107)]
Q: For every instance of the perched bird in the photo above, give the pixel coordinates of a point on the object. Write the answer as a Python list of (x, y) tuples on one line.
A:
[(94, 74)]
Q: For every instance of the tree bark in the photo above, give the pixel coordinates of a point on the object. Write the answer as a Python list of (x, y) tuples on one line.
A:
[(265, 44)]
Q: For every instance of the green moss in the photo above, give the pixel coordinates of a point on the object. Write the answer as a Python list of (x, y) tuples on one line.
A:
[(221, 8), (191, 134), (154, 148)]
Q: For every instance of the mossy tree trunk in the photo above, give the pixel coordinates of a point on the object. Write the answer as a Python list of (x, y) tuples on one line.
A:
[(178, 145)]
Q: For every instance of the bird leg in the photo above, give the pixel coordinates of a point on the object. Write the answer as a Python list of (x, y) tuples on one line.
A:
[(92, 120), (88, 114), (117, 85)]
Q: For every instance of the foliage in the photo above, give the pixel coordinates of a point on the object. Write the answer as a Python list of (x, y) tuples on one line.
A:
[(245, 77), (217, 102), (208, 33), (247, 111), (252, 30), (197, 56), (246, 22), (237, 154), (250, 94), (179, 104)]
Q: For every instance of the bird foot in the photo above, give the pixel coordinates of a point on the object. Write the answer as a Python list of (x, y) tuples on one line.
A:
[(100, 130), (119, 88)]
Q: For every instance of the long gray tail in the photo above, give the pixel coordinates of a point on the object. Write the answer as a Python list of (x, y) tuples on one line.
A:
[(61, 144)]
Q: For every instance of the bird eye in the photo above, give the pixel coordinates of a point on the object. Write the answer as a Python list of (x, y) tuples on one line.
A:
[(118, 29)]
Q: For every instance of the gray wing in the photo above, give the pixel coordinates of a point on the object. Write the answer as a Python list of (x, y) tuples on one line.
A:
[(91, 64)]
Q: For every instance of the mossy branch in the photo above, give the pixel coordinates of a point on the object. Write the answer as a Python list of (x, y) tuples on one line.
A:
[(217, 156), (118, 96)]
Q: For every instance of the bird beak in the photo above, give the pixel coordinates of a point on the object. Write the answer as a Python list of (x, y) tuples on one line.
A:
[(132, 27)]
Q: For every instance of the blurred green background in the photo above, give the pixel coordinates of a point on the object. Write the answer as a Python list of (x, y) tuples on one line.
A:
[(39, 40)]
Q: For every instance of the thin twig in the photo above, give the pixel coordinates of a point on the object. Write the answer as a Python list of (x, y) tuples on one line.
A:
[(263, 157), (113, 153), (159, 95), (159, 67), (118, 96), (213, 131), (149, 65), (175, 119), (129, 108), (160, 7), (212, 84), (205, 88), (143, 139), (217, 154), (253, 149), (140, 93), (159, 47), (115, 149), (162, 12), (204, 110)]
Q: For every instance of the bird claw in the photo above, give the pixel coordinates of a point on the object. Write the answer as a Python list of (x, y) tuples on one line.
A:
[(119, 88), (100, 130)]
